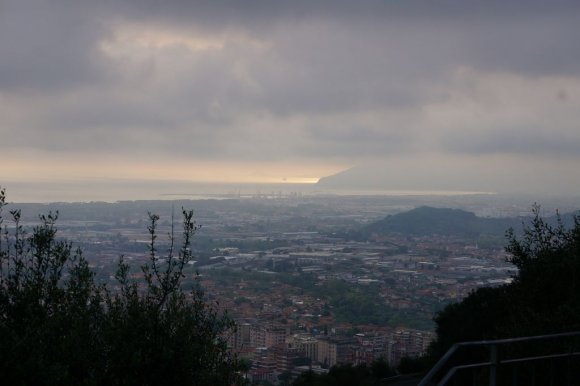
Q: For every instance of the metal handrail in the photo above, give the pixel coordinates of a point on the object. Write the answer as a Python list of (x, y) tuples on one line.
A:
[(493, 362)]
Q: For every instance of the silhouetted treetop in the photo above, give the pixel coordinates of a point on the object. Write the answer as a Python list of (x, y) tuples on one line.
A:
[(58, 326)]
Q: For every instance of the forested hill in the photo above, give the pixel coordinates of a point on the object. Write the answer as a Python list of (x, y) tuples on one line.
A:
[(444, 221)]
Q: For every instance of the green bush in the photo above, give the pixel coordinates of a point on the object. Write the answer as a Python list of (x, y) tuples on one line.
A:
[(58, 326)]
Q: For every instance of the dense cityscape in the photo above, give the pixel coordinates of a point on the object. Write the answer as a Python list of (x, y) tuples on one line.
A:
[(305, 287)]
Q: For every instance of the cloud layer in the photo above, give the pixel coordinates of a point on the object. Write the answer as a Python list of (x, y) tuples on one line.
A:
[(308, 87)]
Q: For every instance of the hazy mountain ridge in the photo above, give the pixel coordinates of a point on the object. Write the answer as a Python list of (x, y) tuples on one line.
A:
[(407, 177), (453, 176), (349, 178)]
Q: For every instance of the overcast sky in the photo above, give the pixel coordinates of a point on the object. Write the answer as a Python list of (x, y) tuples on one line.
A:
[(269, 90)]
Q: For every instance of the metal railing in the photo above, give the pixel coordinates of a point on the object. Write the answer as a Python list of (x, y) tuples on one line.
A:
[(557, 350)]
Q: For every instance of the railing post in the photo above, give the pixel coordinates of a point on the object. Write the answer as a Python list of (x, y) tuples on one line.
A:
[(552, 372), (524, 365), (475, 377), (569, 367), (493, 365)]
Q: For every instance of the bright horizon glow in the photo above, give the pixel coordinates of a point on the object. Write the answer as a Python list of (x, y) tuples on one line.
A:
[(299, 180), (55, 167)]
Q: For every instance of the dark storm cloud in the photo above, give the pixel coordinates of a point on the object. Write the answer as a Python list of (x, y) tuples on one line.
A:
[(535, 140), (48, 45), (535, 36), (255, 11), (352, 141), (326, 79)]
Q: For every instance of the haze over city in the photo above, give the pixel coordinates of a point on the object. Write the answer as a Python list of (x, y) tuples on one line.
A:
[(449, 95), (276, 193)]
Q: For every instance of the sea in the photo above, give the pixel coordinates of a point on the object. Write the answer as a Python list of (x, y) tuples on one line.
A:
[(112, 190)]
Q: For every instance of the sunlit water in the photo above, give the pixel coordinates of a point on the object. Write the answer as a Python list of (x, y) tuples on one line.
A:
[(118, 190)]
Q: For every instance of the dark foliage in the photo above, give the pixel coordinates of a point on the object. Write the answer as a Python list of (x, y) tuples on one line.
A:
[(543, 298), (348, 375), (57, 326), (419, 365)]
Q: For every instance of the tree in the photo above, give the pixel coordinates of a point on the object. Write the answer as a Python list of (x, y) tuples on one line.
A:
[(547, 287), (349, 375), (543, 298), (57, 326), (409, 365)]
